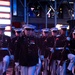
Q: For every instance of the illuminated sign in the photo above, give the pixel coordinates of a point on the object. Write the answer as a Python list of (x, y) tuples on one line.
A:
[(5, 3), (5, 16), (7, 33), (5, 21), (4, 9), (8, 28), (5, 12)]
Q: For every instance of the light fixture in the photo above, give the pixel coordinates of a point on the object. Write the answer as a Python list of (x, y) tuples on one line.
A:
[(32, 8), (58, 26)]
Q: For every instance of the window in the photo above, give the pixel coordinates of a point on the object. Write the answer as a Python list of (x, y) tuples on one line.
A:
[(34, 11)]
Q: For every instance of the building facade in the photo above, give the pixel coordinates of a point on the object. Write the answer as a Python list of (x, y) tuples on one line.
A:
[(42, 13)]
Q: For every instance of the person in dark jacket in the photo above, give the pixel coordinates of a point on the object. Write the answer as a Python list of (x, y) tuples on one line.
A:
[(71, 55), (17, 34), (52, 46), (14, 40), (44, 50), (27, 51), (62, 50), (5, 53)]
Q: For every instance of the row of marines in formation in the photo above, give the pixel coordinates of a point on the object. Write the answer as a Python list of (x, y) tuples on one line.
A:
[(49, 53)]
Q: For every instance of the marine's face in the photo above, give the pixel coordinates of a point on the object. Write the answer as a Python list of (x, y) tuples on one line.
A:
[(45, 33), (29, 32), (17, 34), (62, 31), (54, 33)]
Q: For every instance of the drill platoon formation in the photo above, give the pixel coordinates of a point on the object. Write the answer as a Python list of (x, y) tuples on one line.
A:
[(48, 51)]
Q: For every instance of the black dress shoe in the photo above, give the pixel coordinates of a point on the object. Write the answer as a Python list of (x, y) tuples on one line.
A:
[(4, 73)]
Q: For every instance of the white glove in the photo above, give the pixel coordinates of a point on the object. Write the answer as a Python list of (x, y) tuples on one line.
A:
[(73, 70), (68, 38), (16, 64), (52, 50), (12, 57), (42, 57)]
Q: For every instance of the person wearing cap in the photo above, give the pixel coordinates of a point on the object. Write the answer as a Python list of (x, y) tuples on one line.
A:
[(63, 50), (71, 55), (14, 39), (45, 32), (5, 42), (52, 45), (63, 30), (17, 32), (27, 51), (44, 50), (37, 33)]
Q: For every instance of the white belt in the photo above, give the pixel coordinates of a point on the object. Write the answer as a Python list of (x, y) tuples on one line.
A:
[(61, 48), (3, 48)]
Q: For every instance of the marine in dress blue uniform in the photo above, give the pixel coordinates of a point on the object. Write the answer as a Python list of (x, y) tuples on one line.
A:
[(71, 55), (44, 50), (27, 51), (14, 40), (52, 46), (62, 50)]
